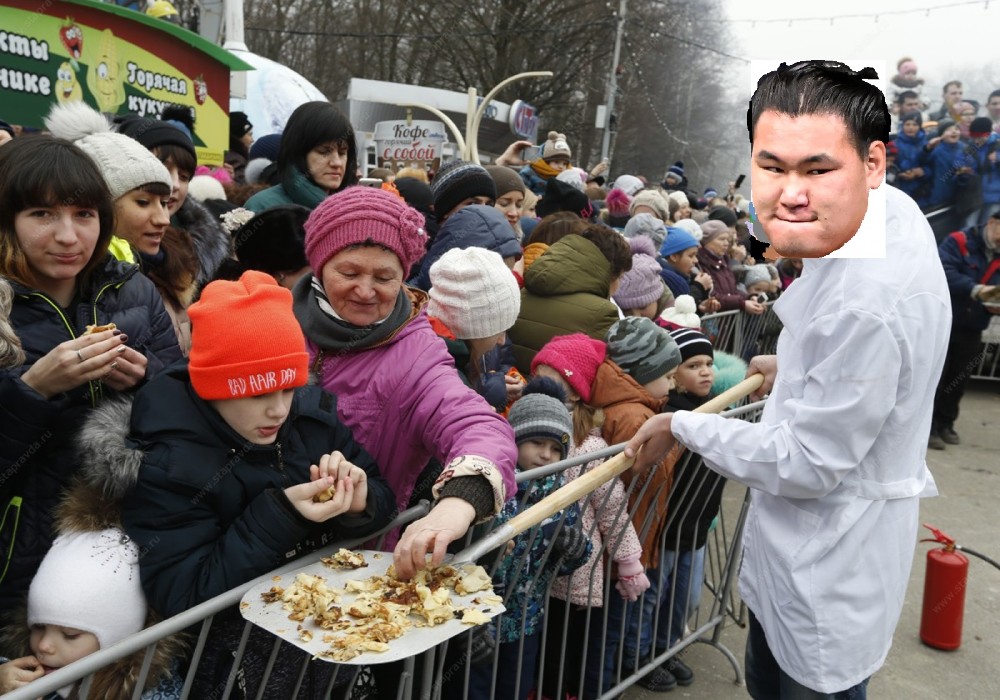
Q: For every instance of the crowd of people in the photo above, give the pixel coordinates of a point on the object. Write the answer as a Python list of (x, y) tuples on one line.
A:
[(192, 356)]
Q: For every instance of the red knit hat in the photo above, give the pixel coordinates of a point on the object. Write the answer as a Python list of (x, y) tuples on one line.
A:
[(576, 357), (359, 214), (245, 340)]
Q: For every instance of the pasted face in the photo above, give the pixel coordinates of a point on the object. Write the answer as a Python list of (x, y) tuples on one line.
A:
[(695, 375), (56, 646), (141, 218), (685, 261), (327, 164), (810, 187), (363, 283), (910, 128), (538, 452), (510, 204), (256, 419), (58, 242), (660, 388)]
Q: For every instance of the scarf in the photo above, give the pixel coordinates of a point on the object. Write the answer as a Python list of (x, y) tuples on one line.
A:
[(301, 189), (321, 324), (544, 170)]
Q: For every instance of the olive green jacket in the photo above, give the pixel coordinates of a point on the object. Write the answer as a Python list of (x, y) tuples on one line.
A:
[(566, 290)]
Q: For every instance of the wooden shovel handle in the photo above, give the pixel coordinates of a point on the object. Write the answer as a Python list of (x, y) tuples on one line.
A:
[(592, 480)]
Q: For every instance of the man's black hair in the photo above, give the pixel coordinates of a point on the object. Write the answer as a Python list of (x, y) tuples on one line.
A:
[(995, 93), (824, 87), (905, 95)]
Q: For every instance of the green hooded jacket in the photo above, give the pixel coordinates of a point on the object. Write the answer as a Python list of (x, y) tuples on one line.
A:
[(298, 189), (566, 290)]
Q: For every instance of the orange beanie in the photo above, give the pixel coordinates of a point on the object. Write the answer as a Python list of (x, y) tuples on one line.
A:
[(245, 340)]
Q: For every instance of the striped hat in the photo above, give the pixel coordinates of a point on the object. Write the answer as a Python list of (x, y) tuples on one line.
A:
[(692, 342), (642, 349), (541, 413)]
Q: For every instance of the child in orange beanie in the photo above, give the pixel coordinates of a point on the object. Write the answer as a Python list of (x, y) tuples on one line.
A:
[(235, 450)]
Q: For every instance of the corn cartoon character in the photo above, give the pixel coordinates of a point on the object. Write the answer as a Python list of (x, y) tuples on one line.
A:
[(104, 75), (67, 86)]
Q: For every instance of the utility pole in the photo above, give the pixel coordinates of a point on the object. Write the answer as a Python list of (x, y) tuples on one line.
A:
[(613, 81)]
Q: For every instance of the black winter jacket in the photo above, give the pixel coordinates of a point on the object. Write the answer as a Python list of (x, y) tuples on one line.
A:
[(37, 456), (208, 510)]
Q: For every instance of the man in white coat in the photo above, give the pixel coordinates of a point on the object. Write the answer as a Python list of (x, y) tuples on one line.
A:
[(837, 462)]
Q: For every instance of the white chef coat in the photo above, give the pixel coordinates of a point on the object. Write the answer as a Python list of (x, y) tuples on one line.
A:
[(837, 461)]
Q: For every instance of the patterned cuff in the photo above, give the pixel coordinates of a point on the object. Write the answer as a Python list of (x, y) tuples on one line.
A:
[(472, 465)]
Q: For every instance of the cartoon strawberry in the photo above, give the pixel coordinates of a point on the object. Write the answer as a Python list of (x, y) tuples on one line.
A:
[(200, 90), (71, 36)]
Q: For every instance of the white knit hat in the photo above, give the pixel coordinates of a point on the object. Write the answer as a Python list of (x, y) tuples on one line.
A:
[(473, 293), (629, 184), (204, 187), (90, 581), (682, 313), (680, 198), (124, 162), (691, 226)]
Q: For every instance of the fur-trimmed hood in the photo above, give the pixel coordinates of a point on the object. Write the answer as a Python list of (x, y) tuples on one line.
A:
[(108, 470), (211, 243), (116, 681)]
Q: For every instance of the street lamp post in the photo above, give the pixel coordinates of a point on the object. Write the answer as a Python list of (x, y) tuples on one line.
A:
[(613, 82), (472, 127), (452, 127)]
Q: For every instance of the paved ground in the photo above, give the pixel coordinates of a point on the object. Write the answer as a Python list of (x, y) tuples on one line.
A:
[(968, 477)]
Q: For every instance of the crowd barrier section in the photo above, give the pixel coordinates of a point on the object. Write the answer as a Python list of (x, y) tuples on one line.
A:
[(445, 672)]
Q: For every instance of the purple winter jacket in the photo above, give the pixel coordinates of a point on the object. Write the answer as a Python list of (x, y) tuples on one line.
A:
[(405, 403)]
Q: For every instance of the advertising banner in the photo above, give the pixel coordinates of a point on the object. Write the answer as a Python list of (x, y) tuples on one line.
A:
[(116, 60), (414, 144)]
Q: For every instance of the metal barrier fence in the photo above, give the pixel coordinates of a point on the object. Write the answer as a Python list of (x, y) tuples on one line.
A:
[(610, 632)]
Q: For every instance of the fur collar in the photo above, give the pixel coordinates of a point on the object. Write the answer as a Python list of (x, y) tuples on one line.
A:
[(211, 243), (108, 470), (113, 682)]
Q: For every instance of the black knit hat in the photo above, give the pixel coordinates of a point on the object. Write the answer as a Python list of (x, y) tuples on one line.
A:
[(562, 196), (912, 117), (416, 193), (239, 125), (153, 132), (692, 342), (274, 240), (457, 181), (980, 126), (723, 214)]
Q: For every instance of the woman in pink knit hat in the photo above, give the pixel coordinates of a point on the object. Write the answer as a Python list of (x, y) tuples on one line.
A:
[(372, 346)]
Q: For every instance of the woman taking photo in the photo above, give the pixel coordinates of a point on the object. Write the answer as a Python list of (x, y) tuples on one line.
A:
[(318, 156), (54, 237)]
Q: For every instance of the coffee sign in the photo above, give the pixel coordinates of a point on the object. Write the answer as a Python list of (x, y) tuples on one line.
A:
[(414, 144)]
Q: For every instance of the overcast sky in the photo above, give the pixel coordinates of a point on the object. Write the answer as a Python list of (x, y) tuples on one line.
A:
[(961, 39)]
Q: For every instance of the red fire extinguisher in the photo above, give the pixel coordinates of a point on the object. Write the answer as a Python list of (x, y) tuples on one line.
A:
[(944, 593)]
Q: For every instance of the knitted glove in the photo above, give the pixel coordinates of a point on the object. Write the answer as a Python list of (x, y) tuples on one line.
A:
[(632, 581), (570, 544)]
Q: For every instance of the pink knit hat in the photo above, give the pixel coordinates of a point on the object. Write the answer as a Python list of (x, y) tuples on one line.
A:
[(576, 357), (359, 214)]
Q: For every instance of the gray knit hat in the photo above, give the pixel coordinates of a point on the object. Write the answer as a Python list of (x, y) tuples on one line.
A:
[(124, 162), (755, 274), (541, 413), (642, 349), (506, 179), (457, 181)]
